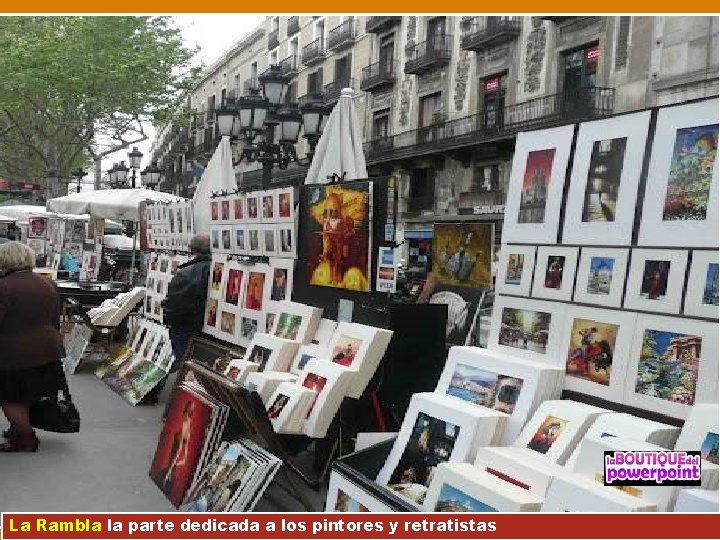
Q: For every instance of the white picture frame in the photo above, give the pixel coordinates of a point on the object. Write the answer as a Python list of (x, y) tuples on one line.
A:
[(472, 426), (285, 205), (240, 240), (330, 381), (517, 228), (296, 321), (617, 217), (579, 324), (266, 382), (556, 428), (607, 267), (338, 483), (248, 324), (287, 240), (650, 278), (478, 490), (268, 206), (252, 207), (281, 352), (237, 208), (238, 369), (292, 413), (304, 354), (507, 280), (702, 288), (641, 376), (654, 230), (544, 350), (281, 270), (269, 239), (255, 240), (530, 383), (544, 272)]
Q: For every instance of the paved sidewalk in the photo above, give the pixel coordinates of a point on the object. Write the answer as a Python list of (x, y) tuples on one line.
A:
[(105, 466)]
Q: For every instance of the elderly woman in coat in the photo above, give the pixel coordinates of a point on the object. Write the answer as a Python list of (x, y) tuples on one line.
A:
[(31, 347)]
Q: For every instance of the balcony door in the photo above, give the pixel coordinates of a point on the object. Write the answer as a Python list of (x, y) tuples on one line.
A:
[(579, 78), (493, 90), (387, 54), (342, 70), (436, 27), (429, 118)]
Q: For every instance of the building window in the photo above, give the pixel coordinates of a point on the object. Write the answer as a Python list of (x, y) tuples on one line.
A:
[(275, 26), (493, 92), (319, 30), (291, 94), (430, 110), (381, 124), (315, 82), (274, 58), (580, 68), (387, 50), (342, 69), (436, 27), (293, 48)]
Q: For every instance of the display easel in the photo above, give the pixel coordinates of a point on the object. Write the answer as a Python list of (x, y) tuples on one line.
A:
[(250, 412)]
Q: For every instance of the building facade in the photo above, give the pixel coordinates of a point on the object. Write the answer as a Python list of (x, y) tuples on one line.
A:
[(441, 99)]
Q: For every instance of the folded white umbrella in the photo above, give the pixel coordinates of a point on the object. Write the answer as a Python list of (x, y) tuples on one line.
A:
[(339, 149), (218, 176), (117, 204)]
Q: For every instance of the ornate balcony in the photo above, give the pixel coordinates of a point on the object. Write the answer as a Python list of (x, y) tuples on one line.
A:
[(378, 75), (293, 25), (251, 85), (331, 92), (494, 32), (547, 111), (375, 25), (289, 66), (314, 52), (429, 55), (342, 35)]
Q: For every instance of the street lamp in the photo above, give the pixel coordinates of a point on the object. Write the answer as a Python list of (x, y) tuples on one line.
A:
[(267, 127), (135, 157), (150, 176), (121, 172), (78, 174)]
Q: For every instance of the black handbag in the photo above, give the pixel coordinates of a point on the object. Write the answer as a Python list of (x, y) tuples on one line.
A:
[(55, 414)]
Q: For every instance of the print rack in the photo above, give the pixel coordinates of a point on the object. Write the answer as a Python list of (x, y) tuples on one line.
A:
[(252, 422)]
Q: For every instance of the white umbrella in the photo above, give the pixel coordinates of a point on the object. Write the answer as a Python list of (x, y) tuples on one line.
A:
[(117, 204), (21, 213), (339, 149), (218, 176), (5, 219)]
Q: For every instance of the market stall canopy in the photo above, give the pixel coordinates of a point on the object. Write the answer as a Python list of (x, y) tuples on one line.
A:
[(6, 219), (219, 176), (339, 149), (117, 241), (117, 204), (22, 212)]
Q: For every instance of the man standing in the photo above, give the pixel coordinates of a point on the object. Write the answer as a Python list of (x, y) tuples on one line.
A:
[(184, 305)]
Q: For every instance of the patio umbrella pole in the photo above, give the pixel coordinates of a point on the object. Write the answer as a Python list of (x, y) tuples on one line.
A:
[(132, 258)]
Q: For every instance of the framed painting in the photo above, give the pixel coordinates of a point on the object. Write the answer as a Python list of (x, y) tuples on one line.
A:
[(673, 365), (596, 344), (338, 230), (462, 253), (281, 280), (346, 496), (269, 206), (656, 280), (537, 180), (287, 240), (607, 164), (701, 297), (515, 269), (252, 207), (528, 328), (601, 276), (555, 272), (681, 196), (285, 205)]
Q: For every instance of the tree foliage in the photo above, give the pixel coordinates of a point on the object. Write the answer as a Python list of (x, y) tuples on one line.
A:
[(70, 82)]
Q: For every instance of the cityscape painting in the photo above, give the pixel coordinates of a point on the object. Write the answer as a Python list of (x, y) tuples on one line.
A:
[(603, 181), (535, 186)]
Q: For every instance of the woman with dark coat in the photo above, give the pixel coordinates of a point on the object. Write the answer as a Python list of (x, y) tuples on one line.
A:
[(31, 347)]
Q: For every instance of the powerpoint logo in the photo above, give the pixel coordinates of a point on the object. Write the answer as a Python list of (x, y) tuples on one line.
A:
[(652, 468)]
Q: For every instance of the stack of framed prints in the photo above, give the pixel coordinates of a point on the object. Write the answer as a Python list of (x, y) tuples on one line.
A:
[(330, 381), (462, 487), (161, 268), (519, 467), (556, 428), (139, 368), (295, 321), (233, 480), (76, 341), (289, 406), (114, 310), (591, 464), (697, 500), (511, 385), (190, 436), (700, 432), (260, 223), (577, 493), (343, 495), (266, 382), (436, 429)]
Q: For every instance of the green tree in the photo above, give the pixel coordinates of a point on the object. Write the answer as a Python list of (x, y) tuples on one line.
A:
[(71, 82)]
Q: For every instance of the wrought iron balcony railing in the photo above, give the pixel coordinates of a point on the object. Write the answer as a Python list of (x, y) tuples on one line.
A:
[(289, 65), (556, 109), (313, 52), (342, 35), (495, 31), (430, 54), (251, 85), (331, 92), (378, 75)]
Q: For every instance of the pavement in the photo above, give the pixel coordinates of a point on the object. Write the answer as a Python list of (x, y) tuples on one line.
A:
[(104, 468)]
